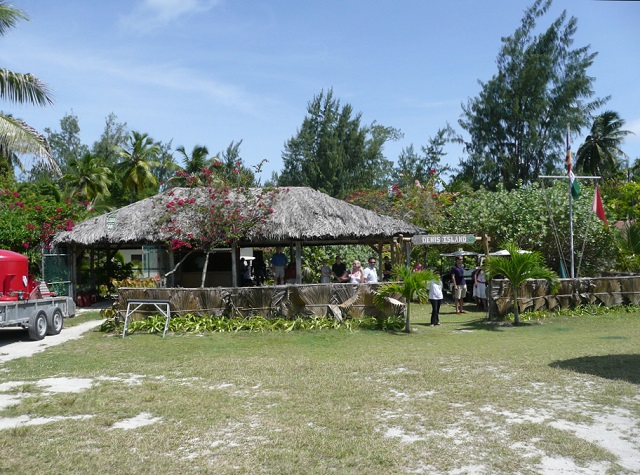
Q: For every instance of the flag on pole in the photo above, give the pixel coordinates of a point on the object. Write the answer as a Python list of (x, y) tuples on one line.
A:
[(597, 207), (573, 183), (575, 187)]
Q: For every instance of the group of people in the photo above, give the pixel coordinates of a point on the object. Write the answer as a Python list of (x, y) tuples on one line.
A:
[(459, 285), (356, 275)]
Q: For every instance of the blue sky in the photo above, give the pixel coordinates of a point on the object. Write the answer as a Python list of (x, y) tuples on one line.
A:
[(206, 72)]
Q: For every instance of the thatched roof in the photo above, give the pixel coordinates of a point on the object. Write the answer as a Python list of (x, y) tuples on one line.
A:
[(300, 214)]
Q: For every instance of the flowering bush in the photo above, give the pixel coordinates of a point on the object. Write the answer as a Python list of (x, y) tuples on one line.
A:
[(31, 214), (224, 212)]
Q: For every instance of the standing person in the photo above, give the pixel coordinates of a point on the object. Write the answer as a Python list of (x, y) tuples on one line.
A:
[(386, 269), (480, 288), (417, 267), (325, 272), (435, 299), (370, 272), (279, 262), (356, 276), (459, 285), (339, 270)]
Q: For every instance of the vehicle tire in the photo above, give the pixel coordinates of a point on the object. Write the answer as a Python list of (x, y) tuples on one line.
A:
[(38, 325), (55, 322)]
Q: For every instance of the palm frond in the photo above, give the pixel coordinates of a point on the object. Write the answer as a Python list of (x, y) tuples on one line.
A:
[(19, 137)]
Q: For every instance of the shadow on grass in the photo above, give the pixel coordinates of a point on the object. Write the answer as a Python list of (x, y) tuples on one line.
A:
[(620, 367), (490, 325)]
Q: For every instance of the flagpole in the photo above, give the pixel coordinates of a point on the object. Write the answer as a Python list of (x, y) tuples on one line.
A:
[(569, 160)]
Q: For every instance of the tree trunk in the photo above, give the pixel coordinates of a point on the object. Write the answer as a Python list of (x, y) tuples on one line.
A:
[(407, 312), (516, 309), (178, 264), (204, 270)]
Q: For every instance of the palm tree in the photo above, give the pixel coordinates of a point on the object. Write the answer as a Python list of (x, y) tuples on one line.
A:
[(600, 154), (518, 267), (88, 178), (137, 163), (410, 285), (196, 162), (17, 137)]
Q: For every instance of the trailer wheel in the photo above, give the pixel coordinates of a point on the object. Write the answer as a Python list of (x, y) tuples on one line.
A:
[(38, 326), (55, 322)]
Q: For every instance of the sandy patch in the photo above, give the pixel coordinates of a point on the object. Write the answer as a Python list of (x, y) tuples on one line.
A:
[(22, 349), (14, 422), (141, 420)]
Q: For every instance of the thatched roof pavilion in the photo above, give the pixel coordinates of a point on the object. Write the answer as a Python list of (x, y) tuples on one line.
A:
[(302, 217)]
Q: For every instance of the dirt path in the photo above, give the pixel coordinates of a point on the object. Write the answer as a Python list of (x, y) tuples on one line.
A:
[(20, 348)]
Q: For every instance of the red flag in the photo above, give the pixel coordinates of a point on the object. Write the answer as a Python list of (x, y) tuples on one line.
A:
[(597, 207)]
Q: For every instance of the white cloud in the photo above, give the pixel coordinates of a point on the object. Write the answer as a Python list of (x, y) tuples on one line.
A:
[(153, 14)]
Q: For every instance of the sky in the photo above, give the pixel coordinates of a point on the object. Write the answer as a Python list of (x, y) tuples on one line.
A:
[(209, 72)]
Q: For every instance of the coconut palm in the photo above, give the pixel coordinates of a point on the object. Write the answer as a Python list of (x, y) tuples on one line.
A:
[(195, 163), (88, 178), (600, 154), (138, 162), (410, 285), (518, 267), (17, 137)]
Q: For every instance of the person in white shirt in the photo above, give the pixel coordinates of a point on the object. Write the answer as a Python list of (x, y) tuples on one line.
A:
[(435, 299), (370, 272)]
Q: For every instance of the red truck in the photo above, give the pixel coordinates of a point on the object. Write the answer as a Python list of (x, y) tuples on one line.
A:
[(27, 303)]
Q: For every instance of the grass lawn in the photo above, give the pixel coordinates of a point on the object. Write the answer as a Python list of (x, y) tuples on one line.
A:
[(559, 395)]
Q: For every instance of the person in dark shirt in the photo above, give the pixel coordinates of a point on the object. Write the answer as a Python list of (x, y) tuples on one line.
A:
[(339, 270), (386, 269), (459, 285)]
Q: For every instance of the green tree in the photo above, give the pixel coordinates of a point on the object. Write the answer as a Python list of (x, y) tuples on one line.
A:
[(66, 145), (628, 242), (600, 154), (233, 168), (517, 268), (16, 136), (412, 166), (410, 285), (136, 164), (333, 152), (518, 122), (114, 137), (196, 161), (621, 200), (88, 178), (537, 218), (165, 168)]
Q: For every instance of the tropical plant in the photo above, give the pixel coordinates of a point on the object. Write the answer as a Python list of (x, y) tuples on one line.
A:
[(518, 267), (17, 137), (628, 242), (31, 213), (88, 178), (195, 162), (137, 162), (535, 218), (408, 284), (600, 154)]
